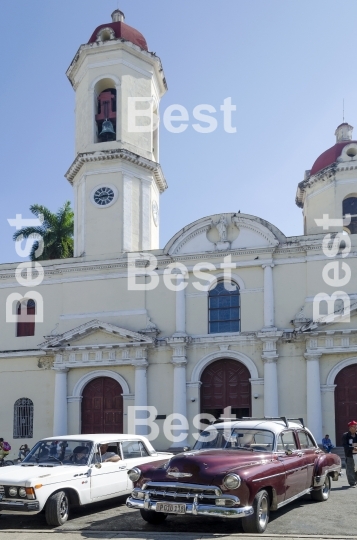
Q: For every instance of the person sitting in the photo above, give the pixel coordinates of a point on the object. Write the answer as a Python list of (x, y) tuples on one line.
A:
[(104, 456), (43, 454), (327, 444), (4, 448), (80, 455), (23, 451)]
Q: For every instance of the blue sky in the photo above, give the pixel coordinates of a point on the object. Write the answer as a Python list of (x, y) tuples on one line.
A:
[(287, 65)]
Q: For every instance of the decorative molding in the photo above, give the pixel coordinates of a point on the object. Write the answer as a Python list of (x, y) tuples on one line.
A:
[(119, 153), (233, 355), (83, 381), (330, 381)]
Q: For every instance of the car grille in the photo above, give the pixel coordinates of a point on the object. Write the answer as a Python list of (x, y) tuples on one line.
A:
[(2, 490), (170, 491)]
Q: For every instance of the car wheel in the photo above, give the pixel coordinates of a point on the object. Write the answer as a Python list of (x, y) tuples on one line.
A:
[(257, 522), (323, 493), (153, 517), (57, 509)]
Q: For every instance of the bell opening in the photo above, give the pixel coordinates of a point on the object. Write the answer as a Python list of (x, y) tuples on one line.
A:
[(106, 115)]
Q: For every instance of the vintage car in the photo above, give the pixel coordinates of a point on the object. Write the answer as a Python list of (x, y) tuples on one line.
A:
[(63, 471), (237, 469)]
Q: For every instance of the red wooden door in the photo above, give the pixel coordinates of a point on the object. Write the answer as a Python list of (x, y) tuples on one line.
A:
[(102, 406), (225, 383), (345, 400)]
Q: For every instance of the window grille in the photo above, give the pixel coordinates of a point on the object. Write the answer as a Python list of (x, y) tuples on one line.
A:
[(23, 419), (224, 308)]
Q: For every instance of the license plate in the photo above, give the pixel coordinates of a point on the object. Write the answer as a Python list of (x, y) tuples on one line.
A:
[(170, 508)]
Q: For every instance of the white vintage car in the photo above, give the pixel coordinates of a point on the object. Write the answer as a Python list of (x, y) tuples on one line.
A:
[(72, 470)]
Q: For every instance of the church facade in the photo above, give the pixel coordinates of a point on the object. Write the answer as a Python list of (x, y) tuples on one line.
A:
[(231, 313)]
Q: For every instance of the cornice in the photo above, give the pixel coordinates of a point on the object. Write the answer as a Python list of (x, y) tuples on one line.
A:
[(120, 153)]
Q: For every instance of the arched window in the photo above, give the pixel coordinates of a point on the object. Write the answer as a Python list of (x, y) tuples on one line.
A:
[(105, 110), (224, 308), (349, 206), (23, 419), (26, 318)]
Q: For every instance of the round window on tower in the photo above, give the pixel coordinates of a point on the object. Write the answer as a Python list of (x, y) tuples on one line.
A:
[(104, 196)]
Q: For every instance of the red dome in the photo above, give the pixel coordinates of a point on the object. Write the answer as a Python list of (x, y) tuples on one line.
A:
[(122, 31), (329, 156)]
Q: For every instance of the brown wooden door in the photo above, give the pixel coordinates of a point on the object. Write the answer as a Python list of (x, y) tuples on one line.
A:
[(102, 406), (345, 400), (225, 383)]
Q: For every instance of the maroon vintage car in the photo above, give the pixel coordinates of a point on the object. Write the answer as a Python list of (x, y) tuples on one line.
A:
[(242, 469)]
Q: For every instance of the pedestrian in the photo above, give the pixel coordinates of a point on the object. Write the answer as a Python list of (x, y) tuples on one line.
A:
[(349, 443), (327, 444), (4, 448)]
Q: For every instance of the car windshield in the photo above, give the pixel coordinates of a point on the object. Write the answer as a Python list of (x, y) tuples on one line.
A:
[(59, 452), (240, 439)]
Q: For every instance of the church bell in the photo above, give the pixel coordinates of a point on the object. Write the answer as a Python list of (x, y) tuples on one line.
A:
[(107, 133)]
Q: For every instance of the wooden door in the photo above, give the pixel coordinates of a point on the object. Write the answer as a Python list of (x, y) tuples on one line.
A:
[(225, 383), (102, 406), (345, 400)]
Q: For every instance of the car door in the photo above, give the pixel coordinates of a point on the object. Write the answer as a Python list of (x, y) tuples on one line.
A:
[(310, 453), (135, 454), (108, 479), (293, 461)]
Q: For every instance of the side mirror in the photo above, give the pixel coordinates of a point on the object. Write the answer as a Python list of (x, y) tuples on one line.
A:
[(98, 465), (288, 452)]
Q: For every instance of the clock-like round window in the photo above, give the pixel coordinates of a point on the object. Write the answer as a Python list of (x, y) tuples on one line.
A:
[(103, 196), (155, 213)]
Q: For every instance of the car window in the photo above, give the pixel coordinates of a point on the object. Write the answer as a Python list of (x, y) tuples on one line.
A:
[(286, 441), (67, 452), (133, 449), (239, 438), (305, 440)]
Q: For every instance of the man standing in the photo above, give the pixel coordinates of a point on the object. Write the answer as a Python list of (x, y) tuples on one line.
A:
[(349, 443)]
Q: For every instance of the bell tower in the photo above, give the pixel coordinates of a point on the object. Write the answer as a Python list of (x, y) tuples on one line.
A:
[(116, 175)]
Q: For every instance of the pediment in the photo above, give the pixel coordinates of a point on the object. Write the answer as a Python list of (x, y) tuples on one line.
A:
[(95, 333), (224, 232)]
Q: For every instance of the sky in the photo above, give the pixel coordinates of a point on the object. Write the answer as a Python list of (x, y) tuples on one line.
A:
[(286, 65)]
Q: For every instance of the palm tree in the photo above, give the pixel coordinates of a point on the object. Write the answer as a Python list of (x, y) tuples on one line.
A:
[(56, 231)]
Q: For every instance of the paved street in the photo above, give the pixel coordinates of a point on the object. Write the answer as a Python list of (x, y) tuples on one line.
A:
[(304, 518)]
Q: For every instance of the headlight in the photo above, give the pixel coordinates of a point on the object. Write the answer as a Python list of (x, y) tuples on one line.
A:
[(22, 492), (12, 491), (232, 481), (134, 474)]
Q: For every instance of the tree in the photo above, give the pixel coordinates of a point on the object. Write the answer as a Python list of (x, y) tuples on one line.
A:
[(56, 231)]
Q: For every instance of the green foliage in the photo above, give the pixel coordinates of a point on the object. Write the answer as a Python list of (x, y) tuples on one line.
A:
[(56, 231)]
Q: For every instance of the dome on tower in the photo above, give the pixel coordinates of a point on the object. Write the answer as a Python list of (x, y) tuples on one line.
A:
[(343, 138), (117, 29)]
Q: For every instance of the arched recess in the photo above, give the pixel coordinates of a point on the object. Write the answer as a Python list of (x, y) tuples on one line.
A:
[(226, 383), (233, 355), (102, 408), (344, 377), (83, 381), (105, 91), (349, 206)]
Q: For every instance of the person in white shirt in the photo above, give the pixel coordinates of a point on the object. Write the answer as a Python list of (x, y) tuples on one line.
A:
[(107, 456)]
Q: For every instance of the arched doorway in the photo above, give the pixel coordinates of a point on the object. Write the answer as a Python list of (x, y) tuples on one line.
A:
[(102, 406), (225, 383), (345, 399)]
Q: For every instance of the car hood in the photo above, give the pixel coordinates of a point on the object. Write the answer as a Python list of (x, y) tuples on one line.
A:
[(203, 466), (25, 475)]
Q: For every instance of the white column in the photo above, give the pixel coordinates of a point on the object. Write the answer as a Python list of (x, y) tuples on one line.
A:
[(313, 389), (180, 306), (271, 400), (268, 296), (60, 403), (141, 395), (179, 361)]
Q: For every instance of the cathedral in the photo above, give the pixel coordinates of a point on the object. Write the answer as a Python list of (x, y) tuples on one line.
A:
[(229, 317)]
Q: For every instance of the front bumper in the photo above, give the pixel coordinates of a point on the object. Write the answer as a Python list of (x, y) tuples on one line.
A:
[(196, 509), (23, 507)]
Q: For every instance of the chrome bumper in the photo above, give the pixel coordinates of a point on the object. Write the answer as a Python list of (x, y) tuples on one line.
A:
[(195, 509), (24, 507)]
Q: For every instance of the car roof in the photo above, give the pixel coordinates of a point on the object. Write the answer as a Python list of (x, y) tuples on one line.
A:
[(276, 426), (102, 438)]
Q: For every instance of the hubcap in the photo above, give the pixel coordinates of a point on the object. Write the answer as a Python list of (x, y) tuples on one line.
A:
[(263, 512), (64, 507)]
